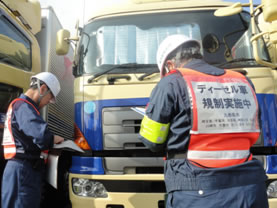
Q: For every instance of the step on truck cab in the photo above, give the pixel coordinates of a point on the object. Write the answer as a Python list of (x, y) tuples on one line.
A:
[(115, 70)]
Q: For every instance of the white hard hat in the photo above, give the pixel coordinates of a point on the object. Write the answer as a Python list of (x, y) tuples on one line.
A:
[(51, 81), (168, 45)]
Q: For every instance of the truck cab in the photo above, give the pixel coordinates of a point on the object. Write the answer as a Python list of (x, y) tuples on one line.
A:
[(19, 54), (115, 70), (27, 47)]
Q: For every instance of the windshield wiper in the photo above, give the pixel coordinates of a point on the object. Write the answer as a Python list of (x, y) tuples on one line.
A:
[(236, 61), (142, 77), (129, 65)]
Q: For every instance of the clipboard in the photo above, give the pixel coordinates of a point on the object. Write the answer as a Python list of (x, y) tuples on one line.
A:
[(139, 110)]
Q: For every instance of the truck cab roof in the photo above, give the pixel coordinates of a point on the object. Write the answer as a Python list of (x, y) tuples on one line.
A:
[(144, 6)]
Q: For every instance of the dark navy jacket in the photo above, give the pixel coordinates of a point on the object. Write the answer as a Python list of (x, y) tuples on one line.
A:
[(30, 131), (169, 103)]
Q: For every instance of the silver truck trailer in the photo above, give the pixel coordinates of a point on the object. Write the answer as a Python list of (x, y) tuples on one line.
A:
[(60, 115)]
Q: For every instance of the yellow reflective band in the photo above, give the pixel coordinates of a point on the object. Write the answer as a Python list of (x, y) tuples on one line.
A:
[(154, 131)]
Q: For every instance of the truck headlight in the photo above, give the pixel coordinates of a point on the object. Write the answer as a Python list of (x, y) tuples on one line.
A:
[(87, 187), (272, 190)]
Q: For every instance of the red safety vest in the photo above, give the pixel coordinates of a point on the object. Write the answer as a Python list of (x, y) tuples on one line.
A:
[(8, 140), (225, 118)]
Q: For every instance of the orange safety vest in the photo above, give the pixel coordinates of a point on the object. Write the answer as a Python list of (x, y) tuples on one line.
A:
[(8, 140), (225, 118)]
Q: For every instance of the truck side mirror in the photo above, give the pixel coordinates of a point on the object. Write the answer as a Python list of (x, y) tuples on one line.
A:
[(62, 42), (269, 10)]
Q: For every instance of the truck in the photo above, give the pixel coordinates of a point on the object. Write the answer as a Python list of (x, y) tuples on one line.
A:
[(115, 70), (27, 47)]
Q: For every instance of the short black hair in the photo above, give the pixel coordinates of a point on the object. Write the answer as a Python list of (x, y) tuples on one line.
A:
[(189, 50), (34, 85)]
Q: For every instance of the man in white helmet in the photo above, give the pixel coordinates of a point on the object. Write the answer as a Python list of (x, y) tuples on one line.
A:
[(26, 136), (205, 119)]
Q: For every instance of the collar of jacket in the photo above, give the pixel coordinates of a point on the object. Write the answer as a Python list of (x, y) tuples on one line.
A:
[(29, 100)]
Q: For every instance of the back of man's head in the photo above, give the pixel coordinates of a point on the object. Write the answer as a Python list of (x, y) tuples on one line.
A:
[(177, 48), (186, 52)]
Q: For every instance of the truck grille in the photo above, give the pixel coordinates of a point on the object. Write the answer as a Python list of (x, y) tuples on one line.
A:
[(121, 127)]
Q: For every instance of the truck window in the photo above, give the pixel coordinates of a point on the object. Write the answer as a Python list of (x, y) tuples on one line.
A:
[(243, 48), (135, 39), (7, 94), (15, 48), (132, 44)]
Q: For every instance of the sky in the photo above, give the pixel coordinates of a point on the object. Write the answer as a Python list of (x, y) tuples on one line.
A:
[(69, 11)]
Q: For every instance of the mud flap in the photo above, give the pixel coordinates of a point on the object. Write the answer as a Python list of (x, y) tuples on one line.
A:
[(52, 169)]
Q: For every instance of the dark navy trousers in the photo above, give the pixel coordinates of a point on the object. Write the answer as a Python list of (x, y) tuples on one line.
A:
[(240, 186), (250, 196), (21, 185)]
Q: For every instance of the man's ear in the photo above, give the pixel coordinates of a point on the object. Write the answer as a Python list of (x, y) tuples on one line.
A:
[(170, 65), (43, 89)]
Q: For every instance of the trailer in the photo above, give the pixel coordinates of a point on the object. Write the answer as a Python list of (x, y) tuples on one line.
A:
[(59, 116)]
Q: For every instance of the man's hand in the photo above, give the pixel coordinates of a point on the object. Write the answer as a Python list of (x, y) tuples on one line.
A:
[(58, 139)]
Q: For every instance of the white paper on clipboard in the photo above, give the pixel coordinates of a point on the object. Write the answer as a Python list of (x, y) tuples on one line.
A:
[(139, 110)]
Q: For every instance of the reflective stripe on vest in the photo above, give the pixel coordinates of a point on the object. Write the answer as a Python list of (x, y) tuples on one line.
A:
[(225, 118), (8, 140)]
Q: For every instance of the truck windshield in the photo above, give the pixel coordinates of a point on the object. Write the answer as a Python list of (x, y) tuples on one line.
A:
[(121, 40)]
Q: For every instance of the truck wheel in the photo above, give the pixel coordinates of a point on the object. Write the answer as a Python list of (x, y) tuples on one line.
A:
[(63, 177)]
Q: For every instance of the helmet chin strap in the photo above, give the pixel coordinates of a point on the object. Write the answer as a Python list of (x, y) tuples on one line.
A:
[(41, 95), (166, 70)]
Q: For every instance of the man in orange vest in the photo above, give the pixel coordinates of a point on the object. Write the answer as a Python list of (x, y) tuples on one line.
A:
[(26, 136), (206, 119)]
